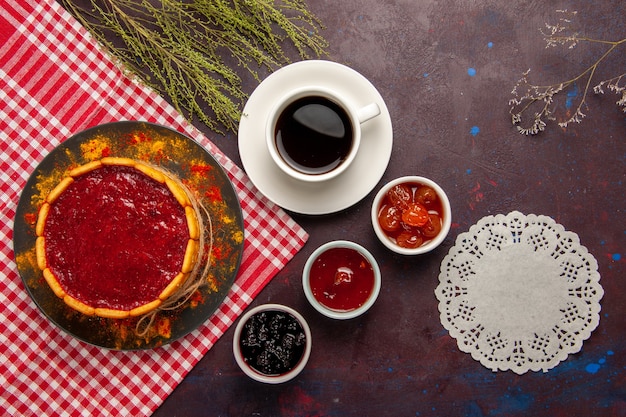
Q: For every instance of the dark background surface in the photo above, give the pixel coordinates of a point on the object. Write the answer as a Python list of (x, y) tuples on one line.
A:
[(446, 70)]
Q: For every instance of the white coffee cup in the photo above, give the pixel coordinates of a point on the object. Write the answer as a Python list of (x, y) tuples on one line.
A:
[(313, 133)]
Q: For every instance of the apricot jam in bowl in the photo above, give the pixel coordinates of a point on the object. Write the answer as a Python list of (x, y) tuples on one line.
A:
[(272, 343), (411, 215), (341, 279)]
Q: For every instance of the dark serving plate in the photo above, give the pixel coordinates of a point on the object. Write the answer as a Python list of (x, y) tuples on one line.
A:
[(173, 151)]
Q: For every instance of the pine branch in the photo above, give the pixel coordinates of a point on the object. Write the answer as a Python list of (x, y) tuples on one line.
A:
[(186, 46)]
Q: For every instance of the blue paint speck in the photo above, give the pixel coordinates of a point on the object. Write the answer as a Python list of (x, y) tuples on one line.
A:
[(490, 45), (616, 256), (473, 410), (468, 171), (426, 74), (471, 72), (602, 361), (475, 130), (610, 353), (516, 403), (390, 369), (571, 95), (592, 368)]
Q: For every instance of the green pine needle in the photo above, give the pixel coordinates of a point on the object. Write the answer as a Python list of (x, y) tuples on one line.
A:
[(194, 48)]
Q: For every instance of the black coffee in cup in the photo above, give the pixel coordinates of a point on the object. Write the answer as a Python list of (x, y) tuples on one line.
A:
[(313, 135)]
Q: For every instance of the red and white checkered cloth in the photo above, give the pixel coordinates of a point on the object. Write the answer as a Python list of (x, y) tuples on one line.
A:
[(55, 82)]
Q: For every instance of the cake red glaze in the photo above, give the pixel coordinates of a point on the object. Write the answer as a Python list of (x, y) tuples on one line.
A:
[(116, 238)]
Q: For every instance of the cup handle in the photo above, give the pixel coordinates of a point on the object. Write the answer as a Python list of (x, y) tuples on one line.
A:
[(368, 112)]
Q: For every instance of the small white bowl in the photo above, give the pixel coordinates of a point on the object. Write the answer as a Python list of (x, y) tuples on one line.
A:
[(428, 246), (271, 378), (341, 314)]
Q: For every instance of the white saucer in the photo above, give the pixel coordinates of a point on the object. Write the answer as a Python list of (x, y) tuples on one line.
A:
[(332, 195)]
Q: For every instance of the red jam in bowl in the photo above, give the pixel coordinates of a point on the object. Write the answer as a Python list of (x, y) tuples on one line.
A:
[(341, 279), (411, 214)]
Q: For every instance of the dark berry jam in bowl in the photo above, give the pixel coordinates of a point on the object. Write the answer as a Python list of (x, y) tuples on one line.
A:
[(272, 343), (341, 279), (411, 215)]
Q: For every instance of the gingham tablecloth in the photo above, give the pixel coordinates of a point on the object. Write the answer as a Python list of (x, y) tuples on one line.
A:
[(55, 82)]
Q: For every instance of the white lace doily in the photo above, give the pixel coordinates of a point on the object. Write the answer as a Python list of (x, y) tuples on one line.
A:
[(519, 292)]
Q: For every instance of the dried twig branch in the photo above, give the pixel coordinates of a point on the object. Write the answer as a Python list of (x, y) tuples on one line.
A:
[(539, 100)]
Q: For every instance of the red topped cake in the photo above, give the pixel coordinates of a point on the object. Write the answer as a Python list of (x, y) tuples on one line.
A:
[(117, 237)]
